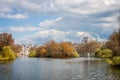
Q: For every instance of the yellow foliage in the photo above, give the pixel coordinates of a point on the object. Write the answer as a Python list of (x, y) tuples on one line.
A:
[(43, 52), (67, 49)]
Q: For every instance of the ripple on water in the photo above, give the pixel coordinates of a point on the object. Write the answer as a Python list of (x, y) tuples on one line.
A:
[(58, 69)]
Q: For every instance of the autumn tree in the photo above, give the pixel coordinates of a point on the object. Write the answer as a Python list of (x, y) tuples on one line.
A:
[(67, 49), (33, 48), (41, 51), (6, 39), (52, 49), (113, 42), (16, 48)]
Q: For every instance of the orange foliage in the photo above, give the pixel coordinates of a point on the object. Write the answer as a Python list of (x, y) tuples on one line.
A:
[(56, 50), (67, 49), (41, 51), (52, 48), (6, 40)]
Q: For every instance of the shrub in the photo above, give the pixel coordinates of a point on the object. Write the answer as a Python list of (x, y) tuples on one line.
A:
[(110, 61), (115, 61), (7, 53), (32, 54), (0, 56), (12, 56), (98, 52), (106, 53), (75, 55)]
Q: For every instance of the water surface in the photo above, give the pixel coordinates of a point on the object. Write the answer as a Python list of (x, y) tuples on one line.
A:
[(58, 69)]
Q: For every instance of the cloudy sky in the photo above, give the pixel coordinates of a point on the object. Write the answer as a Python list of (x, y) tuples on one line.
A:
[(38, 21)]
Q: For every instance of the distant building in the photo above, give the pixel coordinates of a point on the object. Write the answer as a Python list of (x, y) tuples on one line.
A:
[(25, 50), (86, 40)]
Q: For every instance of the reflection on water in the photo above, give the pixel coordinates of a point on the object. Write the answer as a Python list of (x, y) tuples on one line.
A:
[(58, 69)]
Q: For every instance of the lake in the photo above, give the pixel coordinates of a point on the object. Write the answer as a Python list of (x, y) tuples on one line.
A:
[(58, 69)]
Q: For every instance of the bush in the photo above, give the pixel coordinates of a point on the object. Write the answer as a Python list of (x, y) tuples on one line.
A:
[(75, 55), (115, 61), (106, 53), (4, 59), (98, 52), (32, 54), (7, 53), (110, 61), (0, 56), (6, 50), (12, 56)]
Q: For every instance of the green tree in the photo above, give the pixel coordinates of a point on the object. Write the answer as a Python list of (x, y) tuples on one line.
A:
[(7, 52), (32, 53), (98, 52), (106, 53)]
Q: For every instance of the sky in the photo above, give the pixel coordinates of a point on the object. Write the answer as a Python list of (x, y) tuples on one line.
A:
[(38, 21)]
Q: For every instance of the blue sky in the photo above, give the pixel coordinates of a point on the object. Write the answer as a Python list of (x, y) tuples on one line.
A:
[(38, 21)]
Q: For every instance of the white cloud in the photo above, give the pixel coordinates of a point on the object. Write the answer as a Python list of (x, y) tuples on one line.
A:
[(5, 9), (53, 34), (62, 6), (80, 33), (13, 16), (76, 15), (86, 6), (47, 23), (42, 37), (111, 19), (30, 5), (23, 28)]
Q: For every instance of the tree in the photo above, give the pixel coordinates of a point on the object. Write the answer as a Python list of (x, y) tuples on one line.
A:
[(113, 43), (6, 39), (16, 48), (7, 52), (32, 53), (88, 47), (52, 49), (98, 52), (41, 51), (67, 49)]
